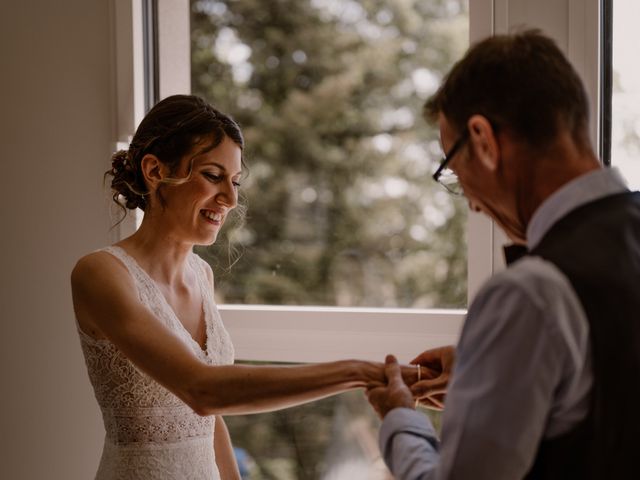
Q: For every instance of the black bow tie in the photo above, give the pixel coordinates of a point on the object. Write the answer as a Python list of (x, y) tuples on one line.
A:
[(514, 252)]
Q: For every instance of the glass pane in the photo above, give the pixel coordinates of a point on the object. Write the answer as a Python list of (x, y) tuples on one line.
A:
[(332, 439), (342, 210), (625, 108)]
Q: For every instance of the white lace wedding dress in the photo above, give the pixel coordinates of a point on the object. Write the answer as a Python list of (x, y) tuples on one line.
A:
[(151, 433)]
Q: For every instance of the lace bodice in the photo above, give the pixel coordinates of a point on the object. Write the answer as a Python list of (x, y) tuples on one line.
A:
[(151, 433)]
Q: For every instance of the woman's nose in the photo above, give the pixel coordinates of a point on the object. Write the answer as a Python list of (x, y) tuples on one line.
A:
[(228, 196)]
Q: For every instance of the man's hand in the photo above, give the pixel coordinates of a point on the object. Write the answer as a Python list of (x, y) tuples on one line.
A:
[(384, 398), (431, 392)]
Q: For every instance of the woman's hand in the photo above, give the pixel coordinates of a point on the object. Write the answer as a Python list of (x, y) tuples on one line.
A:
[(411, 374)]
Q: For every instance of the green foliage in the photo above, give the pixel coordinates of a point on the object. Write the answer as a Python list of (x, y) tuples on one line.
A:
[(341, 206), (342, 209), (314, 441)]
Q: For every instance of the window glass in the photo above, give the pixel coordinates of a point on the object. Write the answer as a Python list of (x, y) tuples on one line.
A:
[(332, 439), (342, 210), (625, 108)]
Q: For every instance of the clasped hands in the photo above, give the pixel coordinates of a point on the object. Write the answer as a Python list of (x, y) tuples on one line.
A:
[(428, 388)]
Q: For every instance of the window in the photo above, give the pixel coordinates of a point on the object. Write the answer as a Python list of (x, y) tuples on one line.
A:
[(347, 236), (365, 331), (293, 331), (342, 208), (625, 98), (331, 439)]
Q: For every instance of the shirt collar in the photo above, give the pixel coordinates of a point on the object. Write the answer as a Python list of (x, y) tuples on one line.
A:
[(584, 189)]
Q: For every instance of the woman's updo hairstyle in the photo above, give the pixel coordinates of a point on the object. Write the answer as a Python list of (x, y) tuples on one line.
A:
[(169, 131)]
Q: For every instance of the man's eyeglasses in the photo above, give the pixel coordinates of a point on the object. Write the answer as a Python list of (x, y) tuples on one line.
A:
[(445, 176)]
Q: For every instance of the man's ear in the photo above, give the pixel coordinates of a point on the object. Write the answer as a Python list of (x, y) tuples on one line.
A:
[(482, 138), (152, 171)]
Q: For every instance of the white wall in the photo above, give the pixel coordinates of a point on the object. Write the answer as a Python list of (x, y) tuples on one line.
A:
[(56, 125)]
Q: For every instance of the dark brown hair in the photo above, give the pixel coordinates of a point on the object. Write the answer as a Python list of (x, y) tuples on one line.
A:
[(521, 82), (171, 129)]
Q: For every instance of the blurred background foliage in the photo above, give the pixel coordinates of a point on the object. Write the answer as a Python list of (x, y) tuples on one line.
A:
[(341, 207), (332, 439)]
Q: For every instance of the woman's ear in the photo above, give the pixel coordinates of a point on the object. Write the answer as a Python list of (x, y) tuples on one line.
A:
[(482, 138), (152, 171)]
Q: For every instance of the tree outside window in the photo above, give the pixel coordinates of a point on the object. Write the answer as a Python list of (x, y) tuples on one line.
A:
[(342, 210)]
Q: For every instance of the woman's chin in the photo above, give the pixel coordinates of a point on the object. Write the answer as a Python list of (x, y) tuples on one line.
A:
[(207, 242)]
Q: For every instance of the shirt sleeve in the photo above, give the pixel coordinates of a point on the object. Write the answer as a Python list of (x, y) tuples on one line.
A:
[(409, 444), (509, 362)]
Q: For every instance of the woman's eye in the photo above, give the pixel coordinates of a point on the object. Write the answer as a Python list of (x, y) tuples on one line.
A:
[(212, 177)]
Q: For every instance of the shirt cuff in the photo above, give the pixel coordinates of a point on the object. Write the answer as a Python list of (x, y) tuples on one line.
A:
[(408, 443), (405, 420)]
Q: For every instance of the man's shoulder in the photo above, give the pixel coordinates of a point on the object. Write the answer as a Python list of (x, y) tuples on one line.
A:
[(531, 279), (531, 293)]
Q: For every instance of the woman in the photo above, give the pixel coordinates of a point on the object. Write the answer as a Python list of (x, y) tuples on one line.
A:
[(157, 354)]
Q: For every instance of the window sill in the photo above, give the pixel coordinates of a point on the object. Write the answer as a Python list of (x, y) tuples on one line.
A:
[(318, 334)]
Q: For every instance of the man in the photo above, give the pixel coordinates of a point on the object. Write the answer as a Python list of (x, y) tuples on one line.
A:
[(546, 381)]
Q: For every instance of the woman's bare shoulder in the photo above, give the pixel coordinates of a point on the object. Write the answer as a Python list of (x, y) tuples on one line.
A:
[(98, 267), (101, 288), (98, 279)]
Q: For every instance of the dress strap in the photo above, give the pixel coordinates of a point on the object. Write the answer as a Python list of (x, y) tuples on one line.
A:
[(121, 255), (142, 280), (200, 267), (218, 341)]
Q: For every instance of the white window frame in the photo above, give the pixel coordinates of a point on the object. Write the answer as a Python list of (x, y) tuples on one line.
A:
[(315, 334), (128, 72)]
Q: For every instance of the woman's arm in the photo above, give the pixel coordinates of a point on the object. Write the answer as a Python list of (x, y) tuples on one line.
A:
[(225, 458), (105, 297)]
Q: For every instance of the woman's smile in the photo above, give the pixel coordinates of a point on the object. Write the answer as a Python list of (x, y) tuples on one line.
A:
[(214, 218)]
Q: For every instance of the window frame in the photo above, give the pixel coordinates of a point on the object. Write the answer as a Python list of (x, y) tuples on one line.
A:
[(606, 82), (316, 333)]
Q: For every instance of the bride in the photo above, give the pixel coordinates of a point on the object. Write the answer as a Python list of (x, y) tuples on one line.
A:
[(157, 353)]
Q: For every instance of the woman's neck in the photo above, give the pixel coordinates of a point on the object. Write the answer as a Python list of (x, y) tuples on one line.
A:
[(161, 253)]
